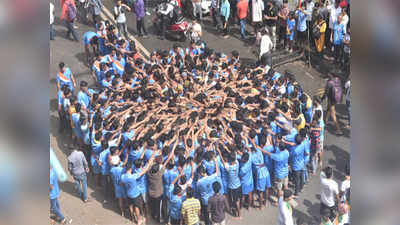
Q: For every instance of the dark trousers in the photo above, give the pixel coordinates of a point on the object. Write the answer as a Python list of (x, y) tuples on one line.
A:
[(63, 121), (154, 204), (52, 34), (206, 214), (225, 30), (96, 19), (328, 43), (233, 17), (140, 27), (338, 53), (215, 16), (282, 35), (71, 30), (298, 181), (332, 211), (175, 221), (162, 26)]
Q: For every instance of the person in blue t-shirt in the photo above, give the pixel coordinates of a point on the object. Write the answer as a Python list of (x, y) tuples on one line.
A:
[(246, 178), (175, 196), (204, 186), (130, 182), (290, 28), (234, 185), (339, 31), (65, 77), (54, 193), (281, 167), (90, 38), (301, 15), (297, 154), (116, 172)]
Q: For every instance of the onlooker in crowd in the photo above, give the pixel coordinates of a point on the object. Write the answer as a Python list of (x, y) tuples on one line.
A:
[(191, 208), (54, 193), (78, 167), (95, 7), (233, 13), (283, 16), (337, 37), (197, 10), (242, 8), (65, 77), (319, 30), (257, 8), (51, 21), (215, 11), (225, 12), (348, 97), (285, 208), (119, 14), (309, 10), (301, 15), (90, 38), (333, 91), (290, 28), (195, 31), (347, 49), (217, 205), (266, 46), (329, 193), (343, 217), (82, 10), (68, 14), (271, 18), (345, 17), (334, 11), (140, 15)]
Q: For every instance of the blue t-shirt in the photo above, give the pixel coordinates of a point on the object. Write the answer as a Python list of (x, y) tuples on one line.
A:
[(292, 135), (210, 166), (302, 21), (55, 192), (298, 157), (169, 176), (291, 25), (105, 167), (130, 183), (338, 33), (246, 176), (306, 144), (175, 203), (204, 186), (119, 66), (84, 99), (267, 159), (233, 175), (141, 181), (116, 173), (65, 79), (281, 164), (87, 37)]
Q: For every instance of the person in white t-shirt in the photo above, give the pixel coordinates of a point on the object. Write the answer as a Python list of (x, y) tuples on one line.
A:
[(196, 31), (266, 43), (119, 14), (334, 12), (285, 208), (329, 192), (51, 21)]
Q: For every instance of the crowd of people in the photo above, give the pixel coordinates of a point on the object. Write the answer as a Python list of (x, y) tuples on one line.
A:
[(192, 133)]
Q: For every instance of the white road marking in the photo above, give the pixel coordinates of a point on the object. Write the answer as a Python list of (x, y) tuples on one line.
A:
[(110, 17)]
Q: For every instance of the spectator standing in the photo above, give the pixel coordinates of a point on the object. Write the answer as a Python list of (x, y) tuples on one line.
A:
[(215, 11), (257, 7), (329, 193), (217, 205), (309, 9), (155, 188), (271, 18), (54, 193), (347, 86), (301, 15), (266, 46), (225, 12), (68, 13), (197, 9), (95, 7), (191, 208), (119, 14), (78, 167), (242, 7), (140, 14), (319, 30), (285, 209), (290, 28), (233, 13), (283, 16), (51, 21), (337, 37), (347, 50), (334, 11)]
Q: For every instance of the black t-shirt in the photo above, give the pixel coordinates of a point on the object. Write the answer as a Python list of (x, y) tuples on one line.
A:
[(271, 12)]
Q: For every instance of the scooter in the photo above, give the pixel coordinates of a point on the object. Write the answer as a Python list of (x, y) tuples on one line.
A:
[(177, 27)]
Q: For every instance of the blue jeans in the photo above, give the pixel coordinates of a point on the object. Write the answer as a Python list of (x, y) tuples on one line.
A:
[(242, 25), (71, 29), (51, 32), (81, 185), (55, 207)]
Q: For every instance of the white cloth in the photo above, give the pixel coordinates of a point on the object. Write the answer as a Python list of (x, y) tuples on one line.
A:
[(334, 14), (285, 213), (345, 21), (344, 188), (51, 13), (347, 86), (121, 18), (257, 10), (265, 45), (329, 190), (309, 9)]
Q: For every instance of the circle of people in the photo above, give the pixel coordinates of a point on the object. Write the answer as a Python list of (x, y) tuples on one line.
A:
[(189, 123)]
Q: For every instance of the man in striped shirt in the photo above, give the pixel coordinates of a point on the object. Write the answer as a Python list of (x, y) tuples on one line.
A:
[(191, 209)]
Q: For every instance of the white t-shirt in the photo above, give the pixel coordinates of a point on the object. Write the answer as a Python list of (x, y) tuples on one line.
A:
[(329, 190), (285, 213), (51, 13), (334, 14), (121, 11), (345, 21), (348, 86), (344, 188), (197, 28), (265, 45), (257, 10)]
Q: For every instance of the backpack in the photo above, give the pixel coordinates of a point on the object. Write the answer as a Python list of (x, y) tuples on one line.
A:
[(335, 90), (71, 11), (316, 32)]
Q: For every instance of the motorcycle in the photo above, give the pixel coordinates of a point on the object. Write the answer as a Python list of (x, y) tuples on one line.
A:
[(176, 26)]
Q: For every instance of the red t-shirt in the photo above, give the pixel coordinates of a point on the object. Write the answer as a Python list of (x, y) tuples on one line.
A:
[(242, 7)]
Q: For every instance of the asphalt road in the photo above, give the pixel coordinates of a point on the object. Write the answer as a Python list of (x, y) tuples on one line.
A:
[(104, 211)]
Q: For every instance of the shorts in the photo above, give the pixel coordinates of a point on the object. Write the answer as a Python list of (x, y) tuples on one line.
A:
[(282, 182), (137, 202), (247, 188), (235, 194), (301, 37), (263, 183)]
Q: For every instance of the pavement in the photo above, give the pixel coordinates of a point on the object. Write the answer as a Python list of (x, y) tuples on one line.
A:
[(105, 211)]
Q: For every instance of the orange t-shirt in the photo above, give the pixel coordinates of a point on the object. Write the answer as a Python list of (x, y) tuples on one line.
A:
[(242, 7)]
